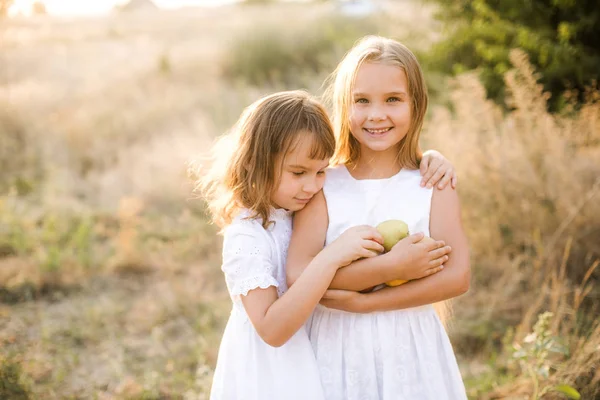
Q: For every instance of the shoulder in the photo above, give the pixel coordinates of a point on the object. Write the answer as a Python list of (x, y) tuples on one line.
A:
[(245, 231), (412, 174), (412, 178)]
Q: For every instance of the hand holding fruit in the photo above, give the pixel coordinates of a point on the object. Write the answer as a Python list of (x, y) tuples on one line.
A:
[(356, 242), (418, 256)]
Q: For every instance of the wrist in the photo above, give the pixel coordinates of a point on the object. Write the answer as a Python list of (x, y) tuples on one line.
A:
[(394, 268), (325, 261), (362, 303)]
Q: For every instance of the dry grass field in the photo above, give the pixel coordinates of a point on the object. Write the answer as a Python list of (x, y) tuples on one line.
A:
[(110, 286)]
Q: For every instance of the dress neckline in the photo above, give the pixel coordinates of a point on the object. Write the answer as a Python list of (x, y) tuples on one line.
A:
[(275, 214), (279, 213), (397, 174)]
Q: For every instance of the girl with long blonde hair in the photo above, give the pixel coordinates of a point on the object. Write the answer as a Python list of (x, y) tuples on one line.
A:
[(385, 344)]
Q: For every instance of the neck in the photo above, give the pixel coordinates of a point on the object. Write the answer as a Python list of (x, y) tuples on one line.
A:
[(376, 164)]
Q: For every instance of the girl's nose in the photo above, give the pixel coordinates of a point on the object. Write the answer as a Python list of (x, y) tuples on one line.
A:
[(376, 114), (311, 186)]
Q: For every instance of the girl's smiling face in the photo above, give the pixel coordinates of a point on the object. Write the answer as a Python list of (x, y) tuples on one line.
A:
[(381, 111)]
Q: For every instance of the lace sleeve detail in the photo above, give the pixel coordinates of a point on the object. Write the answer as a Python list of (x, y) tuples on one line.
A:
[(247, 261), (243, 286)]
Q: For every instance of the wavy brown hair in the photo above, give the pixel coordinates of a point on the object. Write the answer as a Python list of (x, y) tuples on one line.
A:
[(245, 164), (376, 49)]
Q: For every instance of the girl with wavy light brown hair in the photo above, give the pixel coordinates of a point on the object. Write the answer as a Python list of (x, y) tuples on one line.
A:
[(270, 165)]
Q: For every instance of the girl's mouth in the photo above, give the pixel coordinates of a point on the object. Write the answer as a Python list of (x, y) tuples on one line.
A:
[(376, 132)]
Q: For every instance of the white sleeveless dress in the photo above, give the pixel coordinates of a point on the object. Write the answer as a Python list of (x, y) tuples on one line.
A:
[(388, 355), (247, 367)]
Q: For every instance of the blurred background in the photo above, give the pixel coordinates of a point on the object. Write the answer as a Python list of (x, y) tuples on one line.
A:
[(110, 286)]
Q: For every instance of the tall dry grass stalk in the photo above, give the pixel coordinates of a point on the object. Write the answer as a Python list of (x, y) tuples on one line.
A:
[(529, 187), (129, 256)]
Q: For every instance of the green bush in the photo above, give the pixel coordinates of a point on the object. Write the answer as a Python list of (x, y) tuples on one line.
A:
[(11, 386), (273, 55), (559, 36)]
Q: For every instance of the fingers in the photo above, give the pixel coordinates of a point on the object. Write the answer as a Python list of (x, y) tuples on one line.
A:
[(369, 232), (373, 245), (366, 253), (434, 270), (431, 171), (423, 167), (435, 178), (440, 252), (438, 261), (446, 179), (416, 237), (431, 245), (436, 266), (454, 180), (372, 234)]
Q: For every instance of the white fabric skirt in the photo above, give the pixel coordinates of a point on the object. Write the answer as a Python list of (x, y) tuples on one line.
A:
[(249, 369), (391, 355)]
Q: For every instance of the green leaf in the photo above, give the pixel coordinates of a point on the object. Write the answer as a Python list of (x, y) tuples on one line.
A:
[(569, 391)]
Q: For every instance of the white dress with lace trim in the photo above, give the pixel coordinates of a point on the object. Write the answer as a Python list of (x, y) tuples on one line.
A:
[(247, 367)]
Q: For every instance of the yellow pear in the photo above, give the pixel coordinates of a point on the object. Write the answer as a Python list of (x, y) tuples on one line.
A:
[(392, 230), (398, 282)]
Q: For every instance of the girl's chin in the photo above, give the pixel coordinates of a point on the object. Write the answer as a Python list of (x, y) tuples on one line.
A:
[(379, 147)]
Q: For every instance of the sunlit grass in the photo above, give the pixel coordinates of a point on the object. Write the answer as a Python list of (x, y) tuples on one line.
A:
[(109, 272)]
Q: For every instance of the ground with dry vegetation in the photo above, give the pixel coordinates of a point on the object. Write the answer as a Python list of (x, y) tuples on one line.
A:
[(109, 271)]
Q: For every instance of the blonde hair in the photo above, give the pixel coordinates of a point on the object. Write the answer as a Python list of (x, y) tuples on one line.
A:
[(376, 49), (243, 171)]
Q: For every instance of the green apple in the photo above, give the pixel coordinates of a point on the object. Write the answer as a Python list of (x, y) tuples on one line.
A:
[(392, 230)]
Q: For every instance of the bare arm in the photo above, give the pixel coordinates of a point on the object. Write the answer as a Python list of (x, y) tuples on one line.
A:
[(310, 230), (308, 239), (275, 318), (452, 281), (410, 260)]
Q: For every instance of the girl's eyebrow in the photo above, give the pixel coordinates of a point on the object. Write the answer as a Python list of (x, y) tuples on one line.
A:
[(400, 93), (396, 93), (294, 166)]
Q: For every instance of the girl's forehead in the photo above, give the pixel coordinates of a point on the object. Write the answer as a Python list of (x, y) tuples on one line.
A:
[(377, 76), (302, 149), (301, 146)]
